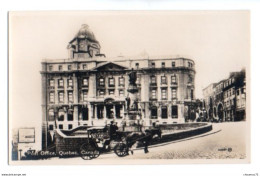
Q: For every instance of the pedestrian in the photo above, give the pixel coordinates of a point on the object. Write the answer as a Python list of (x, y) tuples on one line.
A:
[(113, 129), (147, 140)]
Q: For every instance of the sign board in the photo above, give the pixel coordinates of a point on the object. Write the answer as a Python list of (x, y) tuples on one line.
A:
[(26, 135)]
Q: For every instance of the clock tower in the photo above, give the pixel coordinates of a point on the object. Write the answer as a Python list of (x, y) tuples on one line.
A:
[(84, 44)]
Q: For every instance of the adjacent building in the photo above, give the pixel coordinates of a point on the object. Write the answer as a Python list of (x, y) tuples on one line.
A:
[(226, 100), (89, 89)]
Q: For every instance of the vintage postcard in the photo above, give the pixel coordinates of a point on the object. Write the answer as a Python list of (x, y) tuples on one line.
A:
[(129, 87)]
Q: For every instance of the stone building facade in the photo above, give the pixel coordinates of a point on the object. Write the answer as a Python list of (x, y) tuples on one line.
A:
[(226, 100), (90, 89)]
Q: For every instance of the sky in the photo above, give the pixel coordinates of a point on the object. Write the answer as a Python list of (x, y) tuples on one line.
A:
[(218, 42)]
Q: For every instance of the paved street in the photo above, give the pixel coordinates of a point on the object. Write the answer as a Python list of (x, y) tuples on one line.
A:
[(212, 145), (225, 141)]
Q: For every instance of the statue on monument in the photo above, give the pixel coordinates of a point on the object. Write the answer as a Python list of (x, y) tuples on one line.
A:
[(132, 77)]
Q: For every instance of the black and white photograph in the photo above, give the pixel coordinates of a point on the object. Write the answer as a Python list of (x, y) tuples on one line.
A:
[(129, 87)]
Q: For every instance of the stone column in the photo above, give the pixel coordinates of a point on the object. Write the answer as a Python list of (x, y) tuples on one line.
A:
[(159, 113), (181, 113), (90, 113), (105, 112), (114, 108), (95, 117)]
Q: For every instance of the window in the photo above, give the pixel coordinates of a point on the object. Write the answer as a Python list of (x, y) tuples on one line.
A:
[(60, 67), (51, 82), (51, 97), (70, 95), (121, 81), (174, 93), (154, 112), (121, 93), (154, 94), (70, 115), (111, 82), (101, 82), (101, 93), (60, 126), (85, 114), (136, 65), (173, 64), (60, 83), (50, 127), (191, 94), (85, 95), (175, 111), (70, 83), (84, 66), (61, 115), (61, 97), (50, 68), (164, 94), (153, 65), (85, 82), (242, 90), (70, 126), (163, 80), (69, 67), (111, 92), (164, 112), (100, 111), (173, 79), (163, 64), (51, 115), (153, 79)]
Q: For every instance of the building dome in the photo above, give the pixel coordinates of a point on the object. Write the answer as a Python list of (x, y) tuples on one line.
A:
[(85, 32)]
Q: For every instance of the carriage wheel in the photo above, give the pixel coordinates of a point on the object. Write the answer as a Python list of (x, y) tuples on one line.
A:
[(88, 151), (121, 149)]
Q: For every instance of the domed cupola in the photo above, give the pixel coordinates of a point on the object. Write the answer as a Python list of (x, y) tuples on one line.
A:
[(86, 33), (84, 44)]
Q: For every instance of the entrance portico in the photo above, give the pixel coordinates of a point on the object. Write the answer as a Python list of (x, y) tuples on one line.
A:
[(106, 111)]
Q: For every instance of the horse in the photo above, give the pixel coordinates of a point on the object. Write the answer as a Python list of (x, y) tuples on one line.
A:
[(144, 138)]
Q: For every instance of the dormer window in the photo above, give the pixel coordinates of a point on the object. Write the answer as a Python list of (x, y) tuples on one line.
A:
[(137, 65), (173, 64), (163, 64)]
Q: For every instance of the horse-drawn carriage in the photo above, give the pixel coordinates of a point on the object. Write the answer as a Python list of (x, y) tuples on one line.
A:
[(100, 141)]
